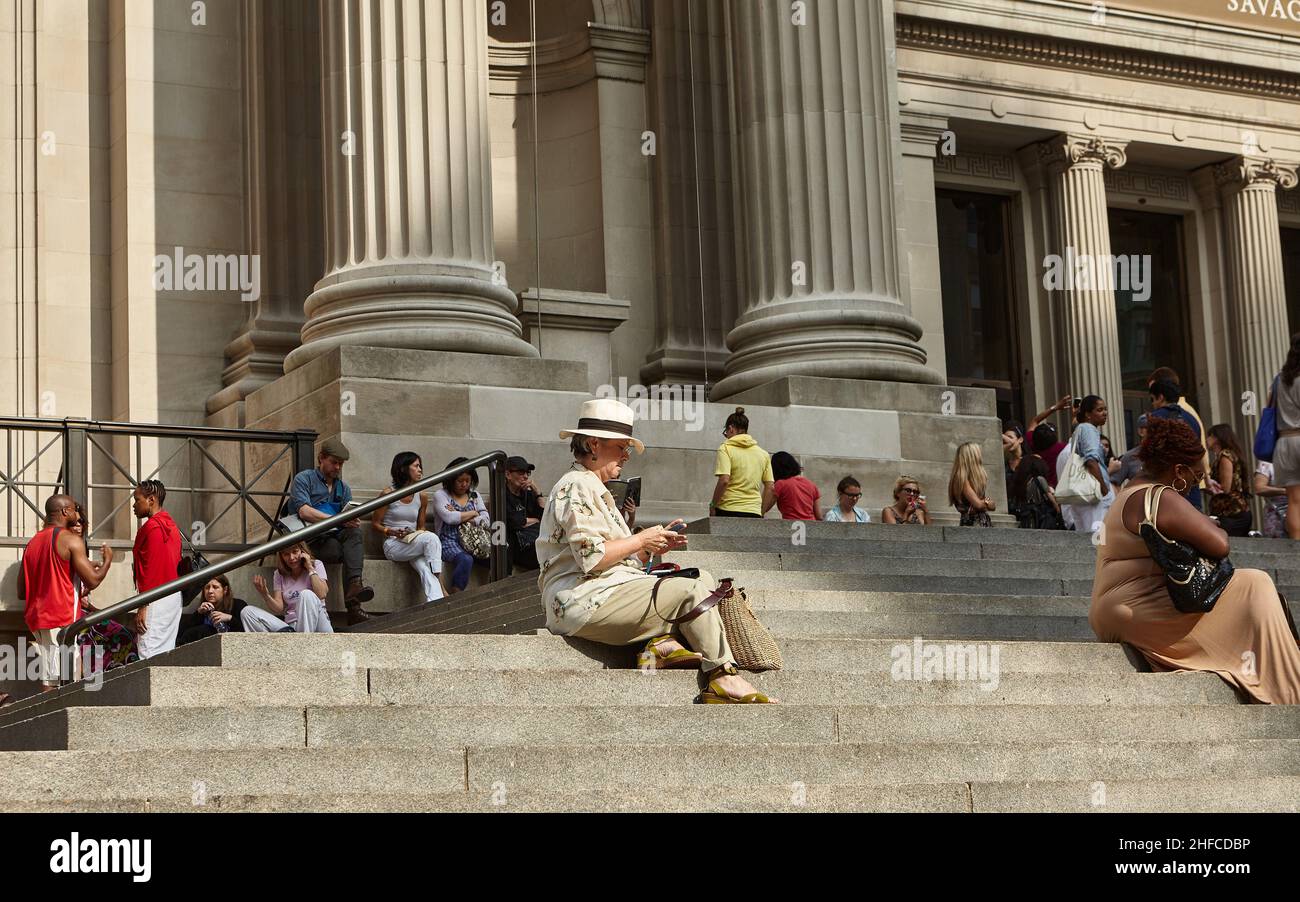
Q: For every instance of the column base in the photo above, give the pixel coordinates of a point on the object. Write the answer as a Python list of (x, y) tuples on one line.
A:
[(829, 337), (684, 366), (256, 359), (423, 307)]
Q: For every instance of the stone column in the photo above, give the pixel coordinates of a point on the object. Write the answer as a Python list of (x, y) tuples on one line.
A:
[(921, 133), (282, 204), (690, 117), (408, 208), (1081, 239), (819, 189), (1257, 316)]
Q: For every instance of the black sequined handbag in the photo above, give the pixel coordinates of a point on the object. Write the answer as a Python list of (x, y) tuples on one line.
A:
[(1194, 581)]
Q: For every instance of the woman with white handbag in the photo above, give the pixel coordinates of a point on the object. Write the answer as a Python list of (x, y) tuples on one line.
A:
[(1082, 483)]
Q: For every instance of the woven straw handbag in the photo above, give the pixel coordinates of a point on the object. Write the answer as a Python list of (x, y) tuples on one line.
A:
[(751, 643)]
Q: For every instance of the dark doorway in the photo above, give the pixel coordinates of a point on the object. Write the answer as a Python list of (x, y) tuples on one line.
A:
[(1291, 273), (1153, 330), (975, 278)]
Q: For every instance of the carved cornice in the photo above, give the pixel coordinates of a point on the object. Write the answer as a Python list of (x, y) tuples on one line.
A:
[(989, 43), (1071, 150), (978, 165), (1163, 185), (920, 131), (1248, 172)]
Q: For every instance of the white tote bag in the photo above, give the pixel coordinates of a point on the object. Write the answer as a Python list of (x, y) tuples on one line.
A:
[(1076, 485)]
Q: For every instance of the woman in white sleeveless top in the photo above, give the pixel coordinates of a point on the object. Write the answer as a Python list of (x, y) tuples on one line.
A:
[(402, 525)]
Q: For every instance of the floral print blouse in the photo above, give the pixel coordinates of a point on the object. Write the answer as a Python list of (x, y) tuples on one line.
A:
[(579, 518)]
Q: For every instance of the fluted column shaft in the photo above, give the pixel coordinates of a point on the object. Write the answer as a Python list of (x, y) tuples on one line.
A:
[(408, 219), (1090, 335), (695, 259), (282, 206), (818, 196), (1257, 320)]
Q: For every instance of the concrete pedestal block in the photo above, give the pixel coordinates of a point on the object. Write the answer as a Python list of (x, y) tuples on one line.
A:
[(443, 406)]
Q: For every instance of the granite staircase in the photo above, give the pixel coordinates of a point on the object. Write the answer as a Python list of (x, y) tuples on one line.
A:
[(463, 706)]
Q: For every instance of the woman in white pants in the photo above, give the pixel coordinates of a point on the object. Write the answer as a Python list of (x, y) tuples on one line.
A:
[(297, 602), (1086, 442), (402, 525)]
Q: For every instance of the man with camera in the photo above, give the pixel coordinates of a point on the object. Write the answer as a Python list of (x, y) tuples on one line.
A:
[(524, 503)]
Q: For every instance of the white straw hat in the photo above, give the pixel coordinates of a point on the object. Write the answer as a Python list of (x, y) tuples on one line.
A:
[(604, 418)]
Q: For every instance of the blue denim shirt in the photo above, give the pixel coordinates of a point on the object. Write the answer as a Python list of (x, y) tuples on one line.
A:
[(309, 487), (1087, 444)]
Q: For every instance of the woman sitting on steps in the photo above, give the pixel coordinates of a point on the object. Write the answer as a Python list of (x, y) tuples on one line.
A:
[(1246, 638), (593, 578)]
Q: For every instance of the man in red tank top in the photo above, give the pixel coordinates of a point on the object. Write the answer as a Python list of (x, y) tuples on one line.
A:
[(53, 561)]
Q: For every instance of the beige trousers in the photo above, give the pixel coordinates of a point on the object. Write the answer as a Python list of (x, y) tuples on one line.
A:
[(628, 617)]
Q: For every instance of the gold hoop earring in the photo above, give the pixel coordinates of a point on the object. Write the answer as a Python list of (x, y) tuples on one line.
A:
[(1183, 490)]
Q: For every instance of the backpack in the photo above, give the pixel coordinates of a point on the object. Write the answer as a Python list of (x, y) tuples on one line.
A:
[(1038, 512)]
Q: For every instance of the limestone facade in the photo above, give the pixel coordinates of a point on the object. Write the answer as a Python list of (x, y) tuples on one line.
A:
[(720, 192)]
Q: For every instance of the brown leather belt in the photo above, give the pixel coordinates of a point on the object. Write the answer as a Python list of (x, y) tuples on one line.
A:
[(1282, 433)]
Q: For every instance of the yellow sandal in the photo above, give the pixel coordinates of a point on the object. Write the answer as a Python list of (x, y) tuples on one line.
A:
[(716, 695), (651, 659)]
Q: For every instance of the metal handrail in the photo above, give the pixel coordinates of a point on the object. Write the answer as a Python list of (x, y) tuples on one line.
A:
[(84, 440), (151, 430), (493, 460)]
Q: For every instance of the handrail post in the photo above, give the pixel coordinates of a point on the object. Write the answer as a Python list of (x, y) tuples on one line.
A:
[(497, 485), (304, 450), (76, 478)]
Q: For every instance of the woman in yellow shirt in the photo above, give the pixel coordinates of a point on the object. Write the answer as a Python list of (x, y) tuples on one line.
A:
[(744, 472)]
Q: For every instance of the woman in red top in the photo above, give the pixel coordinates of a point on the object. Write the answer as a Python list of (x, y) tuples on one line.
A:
[(795, 497)]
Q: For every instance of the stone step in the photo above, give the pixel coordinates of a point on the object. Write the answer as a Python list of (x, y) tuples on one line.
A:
[(1258, 794), (755, 568), (176, 687), (369, 726), (338, 653), (984, 628), (915, 602), (969, 683), (622, 687), (747, 564), (1218, 794), (850, 764), (949, 797), (956, 584), (451, 652), (1072, 552), (878, 532), (49, 777)]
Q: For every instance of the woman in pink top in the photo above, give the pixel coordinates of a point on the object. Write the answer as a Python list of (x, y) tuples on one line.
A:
[(297, 603), (795, 497)]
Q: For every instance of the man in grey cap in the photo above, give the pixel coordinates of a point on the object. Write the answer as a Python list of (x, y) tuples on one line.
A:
[(318, 494), (524, 502)]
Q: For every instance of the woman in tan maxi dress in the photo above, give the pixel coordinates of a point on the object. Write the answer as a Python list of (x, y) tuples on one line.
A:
[(1245, 639)]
